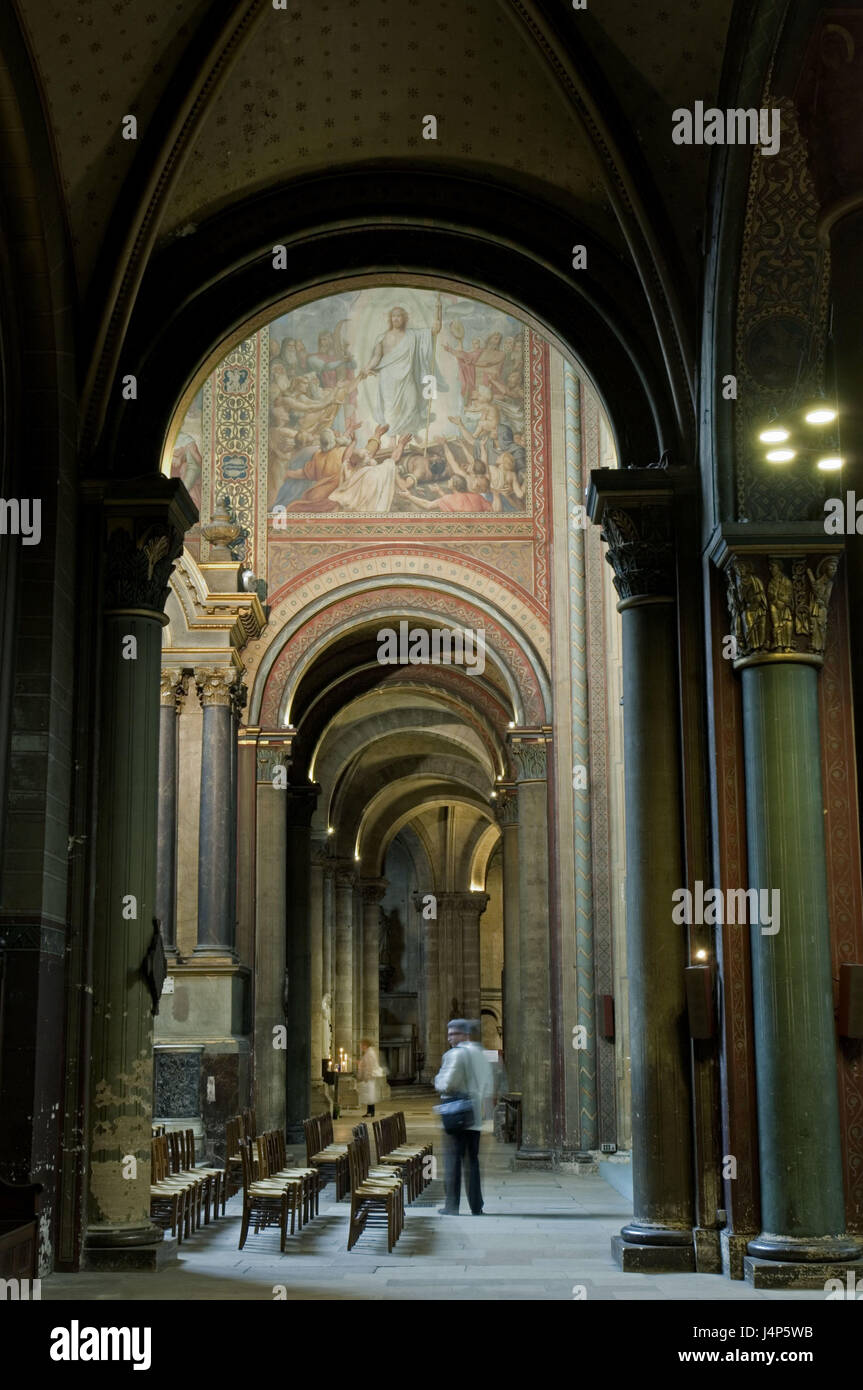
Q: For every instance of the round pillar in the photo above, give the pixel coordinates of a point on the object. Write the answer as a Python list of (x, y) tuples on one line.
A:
[(217, 833)]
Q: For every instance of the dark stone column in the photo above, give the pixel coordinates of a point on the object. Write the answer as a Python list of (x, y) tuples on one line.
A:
[(435, 1008), (506, 810), (145, 522), (373, 890), (534, 1029), (273, 761), (779, 603), (170, 701), (344, 963), (217, 846), (634, 508), (301, 802)]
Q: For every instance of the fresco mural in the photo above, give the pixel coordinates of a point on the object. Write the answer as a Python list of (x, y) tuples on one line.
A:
[(379, 412), (396, 400)]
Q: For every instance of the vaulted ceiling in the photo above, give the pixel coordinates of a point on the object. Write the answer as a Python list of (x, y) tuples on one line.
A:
[(342, 82)]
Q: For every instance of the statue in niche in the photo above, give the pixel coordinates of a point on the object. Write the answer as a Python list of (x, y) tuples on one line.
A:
[(821, 585), (780, 596)]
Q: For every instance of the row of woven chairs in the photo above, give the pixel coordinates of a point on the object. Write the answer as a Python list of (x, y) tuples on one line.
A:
[(330, 1159), (272, 1191), (181, 1193), (393, 1148), (241, 1127)]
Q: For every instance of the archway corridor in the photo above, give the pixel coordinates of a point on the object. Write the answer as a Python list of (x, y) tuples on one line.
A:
[(430, 574)]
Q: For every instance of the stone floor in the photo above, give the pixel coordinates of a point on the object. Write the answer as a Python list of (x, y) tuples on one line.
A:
[(542, 1235)]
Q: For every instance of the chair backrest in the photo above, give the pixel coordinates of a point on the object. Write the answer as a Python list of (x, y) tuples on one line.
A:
[(248, 1166), (361, 1134), (157, 1160), (264, 1169), (325, 1123), (400, 1126), (355, 1165), (279, 1148), (190, 1148), (310, 1130), (380, 1146)]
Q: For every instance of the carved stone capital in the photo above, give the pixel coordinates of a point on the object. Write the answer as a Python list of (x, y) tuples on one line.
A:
[(145, 522), (269, 757), (778, 602), (506, 804), (531, 757), (346, 874), (215, 684), (373, 890), (172, 688), (640, 543)]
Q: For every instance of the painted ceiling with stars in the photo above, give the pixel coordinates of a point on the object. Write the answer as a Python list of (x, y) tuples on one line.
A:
[(342, 82)]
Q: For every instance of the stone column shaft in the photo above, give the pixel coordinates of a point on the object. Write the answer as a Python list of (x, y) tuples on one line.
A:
[(166, 843), (298, 958), (145, 520), (781, 619), (534, 1004), (217, 846), (636, 512), (507, 814), (373, 893), (344, 963), (271, 839)]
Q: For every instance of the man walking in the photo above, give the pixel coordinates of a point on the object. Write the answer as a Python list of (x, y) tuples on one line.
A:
[(464, 1071)]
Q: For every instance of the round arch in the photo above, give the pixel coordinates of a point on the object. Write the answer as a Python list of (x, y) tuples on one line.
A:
[(428, 224)]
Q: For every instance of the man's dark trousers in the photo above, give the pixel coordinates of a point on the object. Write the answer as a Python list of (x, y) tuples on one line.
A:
[(463, 1146)]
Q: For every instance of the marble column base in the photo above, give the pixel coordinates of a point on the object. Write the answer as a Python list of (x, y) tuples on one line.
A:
[(790, 1274), (635, 1258), (816, 1249), (117, 1260)]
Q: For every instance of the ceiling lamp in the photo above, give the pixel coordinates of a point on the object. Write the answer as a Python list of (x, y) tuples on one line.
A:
[(820, 414), (780, 456), (777, 434), (830, 463)]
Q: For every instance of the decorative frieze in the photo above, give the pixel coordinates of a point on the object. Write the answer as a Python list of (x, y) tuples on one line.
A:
[(778, 605)]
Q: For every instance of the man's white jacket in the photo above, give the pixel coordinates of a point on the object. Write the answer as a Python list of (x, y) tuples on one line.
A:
[(465, 1070)]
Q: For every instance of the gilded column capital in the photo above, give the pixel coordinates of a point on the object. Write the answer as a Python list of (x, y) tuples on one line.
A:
[(239, 699), (778, 598), (506, 803), (530, 751), (215, 684), (172, 688)]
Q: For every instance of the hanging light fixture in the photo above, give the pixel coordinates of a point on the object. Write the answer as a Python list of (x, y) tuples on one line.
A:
[(780, 456), (830, 463)]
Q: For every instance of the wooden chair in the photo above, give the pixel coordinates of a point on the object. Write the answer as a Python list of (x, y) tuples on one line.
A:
[(311, 1176), (167, 1195), (372, 1198), (321, 1153), (197, 1182), (267, 1174), (214, 1175), (384, 1169), (264, 1203), (233, 1161), (408, 1157)]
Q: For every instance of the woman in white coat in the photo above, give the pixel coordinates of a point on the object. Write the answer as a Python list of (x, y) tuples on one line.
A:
[(369, 1072)]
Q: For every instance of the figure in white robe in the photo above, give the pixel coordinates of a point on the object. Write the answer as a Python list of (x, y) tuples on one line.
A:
[(402, 356)]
